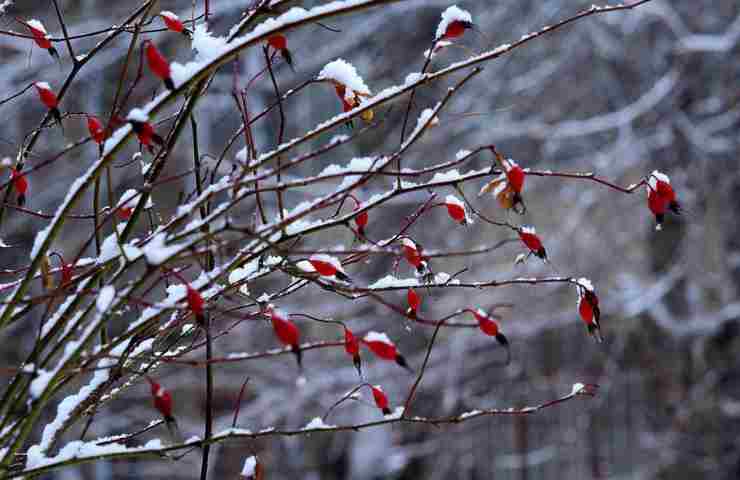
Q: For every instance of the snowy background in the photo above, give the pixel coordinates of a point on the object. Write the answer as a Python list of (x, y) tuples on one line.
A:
[(620, 94)]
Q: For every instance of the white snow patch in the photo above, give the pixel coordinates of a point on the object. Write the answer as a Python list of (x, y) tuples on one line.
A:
[(39, 240), (657, 176), (110, 249), (170, 15), (129, 199), (62, 309), (78, 449), (280, 314), (39, 384), (441, 44), (345, 73), (306, 266), (33, 23), (317, 423), (250, 466), (157, 251), (206, 45), (396, 414), (105, 298), (239, 274), (374, 336), (67, 406), (407, 242), (469, 414), (444, 278), (528, 229), (389, 281), (453, 200), (116, 138), (413, 78), (462, 154), (425, 117), (137, 115), (441, 177), (357, 164), (232, 431), (585, 283), (207, 48)]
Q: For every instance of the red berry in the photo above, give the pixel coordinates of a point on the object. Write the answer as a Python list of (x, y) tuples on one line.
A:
[(124, 213), (278, 42), (529, 238), (95, 127), (285, 330), (326, 265), (19, 181), (195, 302), (411, 252), (20, 184), (456, 28), (413, 300), (488, 326), (381, 345), (172, 21), (351, 344), (67, 273), (159, 65), (485, 323), (657, 206), (47, 96), (39, 34), (588, 307), (381, 400), (456, 209), (515, 176), (146, 134), (661, 196), (361, 219), (586, 312), (162, 399)]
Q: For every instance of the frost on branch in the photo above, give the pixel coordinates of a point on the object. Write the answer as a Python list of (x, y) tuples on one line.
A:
[(83, 450), (318, 424)]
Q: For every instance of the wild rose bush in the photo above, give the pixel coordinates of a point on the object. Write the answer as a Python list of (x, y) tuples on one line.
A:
[(149, 289)]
